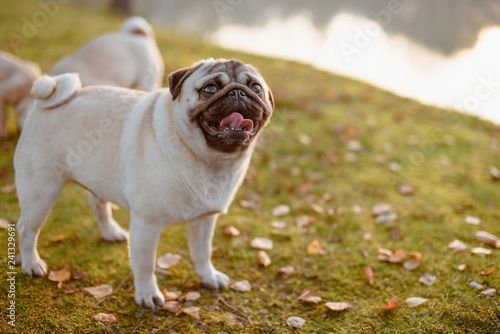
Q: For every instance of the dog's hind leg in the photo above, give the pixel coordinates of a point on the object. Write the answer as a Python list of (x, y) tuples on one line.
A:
[(36, 199), (110, 230)]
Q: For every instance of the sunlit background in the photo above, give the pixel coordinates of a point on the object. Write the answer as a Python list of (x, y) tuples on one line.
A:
[(445, 53)]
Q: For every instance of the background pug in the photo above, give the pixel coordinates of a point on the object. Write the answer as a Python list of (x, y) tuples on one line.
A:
[(170, 156), (16, 78), (129, 58)]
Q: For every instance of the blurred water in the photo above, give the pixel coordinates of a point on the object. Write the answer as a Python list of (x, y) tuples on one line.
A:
[(358, 47)]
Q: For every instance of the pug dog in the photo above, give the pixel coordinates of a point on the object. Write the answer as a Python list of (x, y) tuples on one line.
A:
[(16, 78), (129, 58), (176, 155)]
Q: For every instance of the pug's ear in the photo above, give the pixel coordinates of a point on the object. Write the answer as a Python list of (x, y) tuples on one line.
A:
[(271, 98), (176, 79)]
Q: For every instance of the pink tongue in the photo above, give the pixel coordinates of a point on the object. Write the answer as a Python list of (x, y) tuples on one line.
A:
[(236, 121)]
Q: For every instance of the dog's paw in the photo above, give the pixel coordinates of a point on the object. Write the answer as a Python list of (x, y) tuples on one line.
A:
[(114, 233), (151, 300), (215, 280), (37, 268)]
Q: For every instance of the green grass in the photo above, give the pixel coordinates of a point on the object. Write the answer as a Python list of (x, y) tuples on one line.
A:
[(330, 110)]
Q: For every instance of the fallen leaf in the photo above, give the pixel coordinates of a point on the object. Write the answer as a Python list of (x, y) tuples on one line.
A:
[(192, 311), (79, 274), (241, 286), (309, 296), (461, 267), (303, 220), (192, 296), (231, 231), (281, 210), (411, 264), (472, 220), (416, 255), (315, 248), (370, 275), (278, 224), (317, 208), (480, 251), (103, 317), (304, 139), (168, 261), (394, 167), (163, 272), (392, 305), (490, 292), (295, 322), (59, 238), (384, 254), (233, 319), (62, 275), (100, 291), (488, 272), (457, 246), (172, 306), (379, 209), (406, 190), (8, 188), (286, 271), (357, 210), (387, 217), (488, 238), (262, 243), (171, 295), (415, 301), (263, 258), (427, 279), (495, 173), (475, 285), (398, 256), (4, 224), (70, 288), (341, 306), (354, 145)]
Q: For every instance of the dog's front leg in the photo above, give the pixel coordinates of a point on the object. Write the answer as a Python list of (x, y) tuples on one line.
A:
[(143, 242), (200, 232)]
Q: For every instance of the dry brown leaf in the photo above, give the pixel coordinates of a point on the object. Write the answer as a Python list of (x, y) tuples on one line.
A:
[(100, 291), (480, 251), (384, 254), (303, 220), (172, 306), (341, 306), (462, 267), (488, 238), (262, 243), (78, 274), (490, 292), (427, 279), (231, 231), (281, 210), (411, 264), (295, 322), (488, 272), (8, 188), (315, 248), (317, 208), (370, 275), (192, 296), (263, 258), (309, 296), (103, 317), (415, 301), (406, 190), (192, 311), (286, 271), (4, 224), (392, 305), (472, 220), (379, 209), (62, 275), (495, 173), (171, 295), (241, 286), (388, 217), (398, 256), (70, 288), (457, 246), (168, 261)]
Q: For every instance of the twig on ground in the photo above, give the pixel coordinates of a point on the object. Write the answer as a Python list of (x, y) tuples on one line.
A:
[(110, 311), (138, 326), (116, 289), (234, 309)]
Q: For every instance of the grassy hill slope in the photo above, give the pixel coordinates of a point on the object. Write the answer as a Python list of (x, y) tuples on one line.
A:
[(333, 144)]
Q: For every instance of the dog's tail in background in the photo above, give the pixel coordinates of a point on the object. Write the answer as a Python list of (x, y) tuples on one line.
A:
[(138, 25), (51, 92)]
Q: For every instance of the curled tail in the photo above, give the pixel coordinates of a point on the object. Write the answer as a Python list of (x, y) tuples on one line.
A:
[(138, 25), (51, 92)]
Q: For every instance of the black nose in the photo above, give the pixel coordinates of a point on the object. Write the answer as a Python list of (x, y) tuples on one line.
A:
[(237, 94)]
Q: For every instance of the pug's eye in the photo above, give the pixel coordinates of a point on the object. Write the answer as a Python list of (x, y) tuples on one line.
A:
[(257, 89), (209, 89)]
